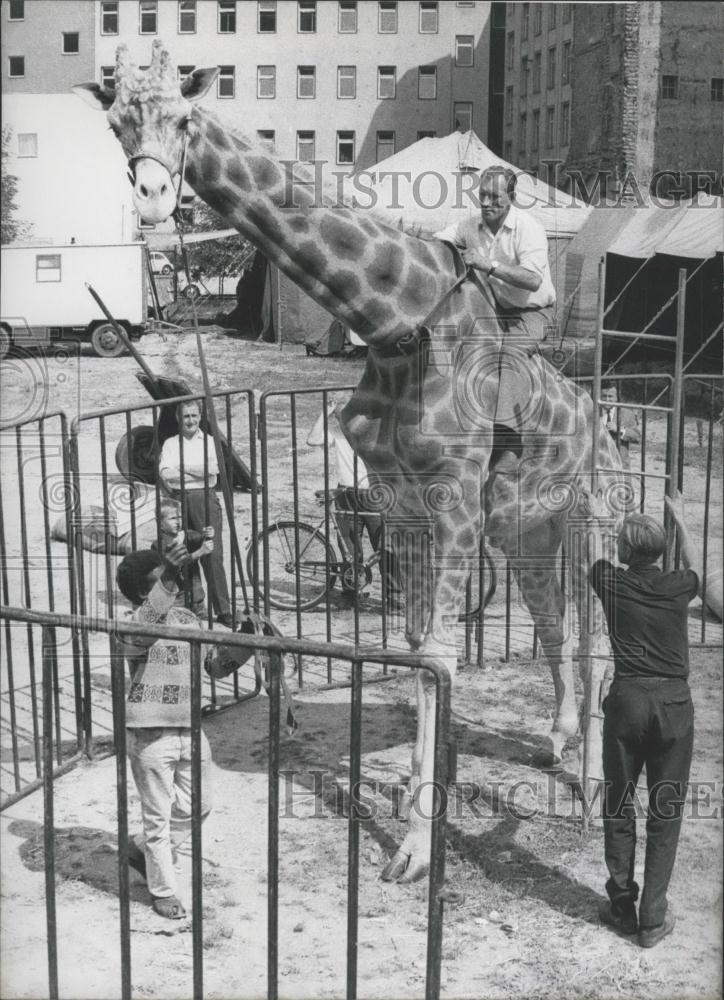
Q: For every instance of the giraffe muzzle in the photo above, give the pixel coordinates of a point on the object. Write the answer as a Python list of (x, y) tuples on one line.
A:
[(154, 194)]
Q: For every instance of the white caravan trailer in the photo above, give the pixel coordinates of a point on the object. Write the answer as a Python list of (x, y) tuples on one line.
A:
[(43, 294)]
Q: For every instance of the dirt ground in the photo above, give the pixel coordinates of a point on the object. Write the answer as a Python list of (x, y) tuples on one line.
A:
[(525, 887)]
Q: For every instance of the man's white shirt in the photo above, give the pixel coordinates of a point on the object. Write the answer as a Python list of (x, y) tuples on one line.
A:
[(521, 241), (194, 450)]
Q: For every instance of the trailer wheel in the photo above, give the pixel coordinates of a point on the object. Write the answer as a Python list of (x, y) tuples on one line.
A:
[(6, 342), (106, 342), (191, 292)]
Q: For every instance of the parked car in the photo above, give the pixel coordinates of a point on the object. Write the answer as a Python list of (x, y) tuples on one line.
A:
[(160, 264)]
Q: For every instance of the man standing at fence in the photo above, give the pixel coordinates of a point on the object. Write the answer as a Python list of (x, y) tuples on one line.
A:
[(648, 713), (188, 469), (622, 424), (510, 247)]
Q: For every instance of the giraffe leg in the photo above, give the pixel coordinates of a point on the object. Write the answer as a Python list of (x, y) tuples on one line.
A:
[(412, 860), (535, 567)]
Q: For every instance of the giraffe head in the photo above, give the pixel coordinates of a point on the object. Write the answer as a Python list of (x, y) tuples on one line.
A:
[(151, 115)]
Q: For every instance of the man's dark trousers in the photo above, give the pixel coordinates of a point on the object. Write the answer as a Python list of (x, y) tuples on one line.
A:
[(648, 721), (195, 502)]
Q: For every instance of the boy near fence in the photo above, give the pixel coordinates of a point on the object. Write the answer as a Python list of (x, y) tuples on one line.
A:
[(158, 720), (198, 543)]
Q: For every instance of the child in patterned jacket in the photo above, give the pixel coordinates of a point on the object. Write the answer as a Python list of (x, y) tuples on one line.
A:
[(158, 720)]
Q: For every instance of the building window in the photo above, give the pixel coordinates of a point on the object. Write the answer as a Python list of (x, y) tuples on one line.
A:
[(306, 81), (187, 17), (550, 127), (428, 17), (465, 3), (225, 83), (266, 17), (670, 87), (551, 81), (347, 17), (537, 18), (426, 133), (27, 143), (16, 67), (305, 147), (522, 132), (717, 88), (385, 146), (508, 151), (386, 85), (427, 83), (524, 74), (566, 12), (464, 50), (227, 17), (551, 16), (147, 17), (346, 81), (345, 148), (184, 71), (535, 137), (47, 267), (508, 105), (266, 81), (565, 124), (387, 17), (566, 65), (16, 10), (71, 43), (109, 17), (108, 77), (267, 138), (525, 21), (536, 72), (462, 116), (307, 16), (510, 48)]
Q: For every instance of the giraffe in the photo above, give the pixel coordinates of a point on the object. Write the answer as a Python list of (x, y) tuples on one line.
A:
[(421, 415)]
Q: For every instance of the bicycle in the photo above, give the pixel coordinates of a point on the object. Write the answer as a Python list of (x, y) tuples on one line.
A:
[(304, 565)]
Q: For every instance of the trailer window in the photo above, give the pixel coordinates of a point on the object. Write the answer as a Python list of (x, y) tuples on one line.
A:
[(47, 267)]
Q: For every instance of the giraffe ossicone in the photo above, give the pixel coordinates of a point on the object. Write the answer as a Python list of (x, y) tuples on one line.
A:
[(420, 419)]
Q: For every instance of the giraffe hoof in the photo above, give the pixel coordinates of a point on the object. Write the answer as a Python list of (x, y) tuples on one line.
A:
[(396, 867), (415, 871)]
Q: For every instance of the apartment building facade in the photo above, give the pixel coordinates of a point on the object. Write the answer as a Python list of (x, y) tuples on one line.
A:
[(626, 94), (348, 82)]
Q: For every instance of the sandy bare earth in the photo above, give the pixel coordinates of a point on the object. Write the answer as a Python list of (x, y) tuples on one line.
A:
[(522, 919)]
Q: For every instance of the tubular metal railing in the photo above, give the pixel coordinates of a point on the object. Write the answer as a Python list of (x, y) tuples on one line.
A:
[(273, 649)]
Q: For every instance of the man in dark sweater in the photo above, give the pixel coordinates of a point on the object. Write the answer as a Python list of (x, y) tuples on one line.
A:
[(648, 714)]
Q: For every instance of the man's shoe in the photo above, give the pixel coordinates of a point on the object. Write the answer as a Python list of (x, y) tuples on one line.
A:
[(623, 920), (650, 936), (228, 620)]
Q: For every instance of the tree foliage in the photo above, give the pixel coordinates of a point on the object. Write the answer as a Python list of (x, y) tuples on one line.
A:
[(11, 228), (223, 257)]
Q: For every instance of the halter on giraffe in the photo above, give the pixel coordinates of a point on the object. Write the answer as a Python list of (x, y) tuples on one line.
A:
[(420, 418)]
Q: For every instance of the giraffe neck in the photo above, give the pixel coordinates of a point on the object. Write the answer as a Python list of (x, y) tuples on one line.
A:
[(379, 281)]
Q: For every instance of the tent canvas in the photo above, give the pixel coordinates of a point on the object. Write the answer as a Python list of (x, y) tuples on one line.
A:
[(644, 246), (422, 189)]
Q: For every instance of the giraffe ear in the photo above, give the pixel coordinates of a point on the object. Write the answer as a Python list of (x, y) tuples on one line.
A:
[(197, 83), (97, 97)]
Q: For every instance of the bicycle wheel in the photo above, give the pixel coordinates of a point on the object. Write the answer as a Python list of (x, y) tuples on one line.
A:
[(299, 578), (471, 608)]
